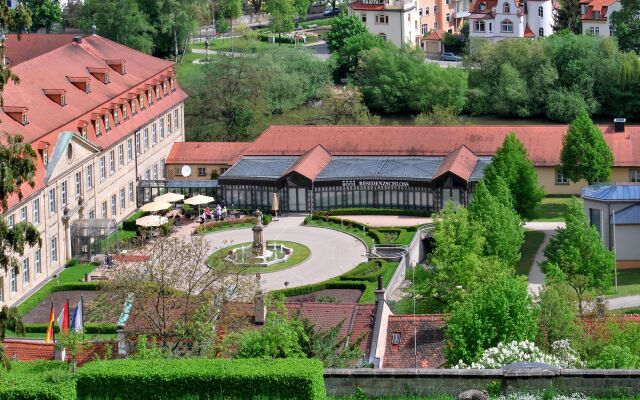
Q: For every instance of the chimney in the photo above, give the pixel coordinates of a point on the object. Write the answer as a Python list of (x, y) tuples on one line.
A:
[(618, 124), (260, 309), (77, 39)]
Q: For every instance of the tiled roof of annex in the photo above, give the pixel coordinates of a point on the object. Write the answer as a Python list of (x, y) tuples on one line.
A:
[(415, 341)]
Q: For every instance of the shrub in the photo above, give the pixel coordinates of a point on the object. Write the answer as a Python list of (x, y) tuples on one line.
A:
[(375, 211), (166, 229), (505, 354), (366, 271), (616, 357), (202, 378), (129, 224), (39, 380), (267, 218), (296, 291), (64, 287), (90, 328), (212, 226), (72, 262)]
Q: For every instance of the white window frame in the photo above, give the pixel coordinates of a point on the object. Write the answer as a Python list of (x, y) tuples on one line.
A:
[(560, 179), (123, 199), (129, 150), (112, 162), (37, 256), (23, 214), (53, 249), (89, 176), (506, 26), (52, 201), (26, 278), (131, 199), (78, 178), (64, 194), (121, 154), (114, 205), (35, 205)]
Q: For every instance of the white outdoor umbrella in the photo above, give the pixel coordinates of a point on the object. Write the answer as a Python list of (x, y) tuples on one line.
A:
[(151, 221), (155, 206), (169, 197), (199, 200), (275, 205)]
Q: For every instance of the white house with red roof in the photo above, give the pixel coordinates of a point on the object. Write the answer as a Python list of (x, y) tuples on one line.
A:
[(496, 20), (394, 20), (101, 117), (595, 15)]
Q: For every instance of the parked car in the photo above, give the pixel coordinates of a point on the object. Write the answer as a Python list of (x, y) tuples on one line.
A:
[(330, 12), (450, 57)]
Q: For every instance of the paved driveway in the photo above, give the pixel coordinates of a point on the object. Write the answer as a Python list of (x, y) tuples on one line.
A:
[(332, 253)]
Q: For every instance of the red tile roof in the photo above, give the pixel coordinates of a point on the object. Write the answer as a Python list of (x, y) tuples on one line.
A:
[(311, 163), (206, 152), (28, 350), (490, 5), (543, 142), (33, 45), (47, 119), (597, 5), (433, 35), (528, 33), (358, 5), (460, 162), (428, 344)]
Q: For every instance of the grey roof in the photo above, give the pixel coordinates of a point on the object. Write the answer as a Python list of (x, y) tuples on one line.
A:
[(60, 149), (414, 168), (185, 183), (612, 192), (259, 167), (478, 171), (627, 216)]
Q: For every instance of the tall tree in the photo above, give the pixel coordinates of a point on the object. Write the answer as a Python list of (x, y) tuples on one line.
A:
[(348, 55), (282, 14), (229, 9), (344, 107), (558, 314), (625, 25), (342, 28), (577, 256), (512, 165), (44, 13), (503, 230), (256, 5), (499, 311), (119, 20), (585, 154), (72, 14), (569, 16), (302, 8), (9, 320)]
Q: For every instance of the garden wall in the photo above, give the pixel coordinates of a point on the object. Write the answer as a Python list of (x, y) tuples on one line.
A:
[(415, 254), (394, 382)]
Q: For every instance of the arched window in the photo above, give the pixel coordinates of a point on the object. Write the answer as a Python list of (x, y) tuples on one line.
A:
[(383, 36), (507, 26), (483, 6), (540, 12), (541, 32), (506, 8)]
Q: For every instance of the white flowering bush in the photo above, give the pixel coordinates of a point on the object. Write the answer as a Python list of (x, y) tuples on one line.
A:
[(529, 396), (566, 355), (525, 351)]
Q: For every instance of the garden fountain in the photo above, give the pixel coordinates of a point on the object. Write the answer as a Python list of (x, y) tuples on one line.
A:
[(259, 252)]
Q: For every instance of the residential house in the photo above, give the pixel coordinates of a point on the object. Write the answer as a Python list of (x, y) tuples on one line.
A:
[(101, 117), (595, 15), (614, 210), (496, 20), (206, 160), (440, 15), (393, 20)]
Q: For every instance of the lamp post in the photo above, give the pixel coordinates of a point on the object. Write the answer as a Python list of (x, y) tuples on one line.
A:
[(206, 48)]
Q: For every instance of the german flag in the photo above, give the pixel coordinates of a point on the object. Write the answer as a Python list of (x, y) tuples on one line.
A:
[(52, 319)]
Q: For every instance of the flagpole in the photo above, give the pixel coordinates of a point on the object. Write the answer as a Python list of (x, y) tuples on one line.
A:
[(615, 265)]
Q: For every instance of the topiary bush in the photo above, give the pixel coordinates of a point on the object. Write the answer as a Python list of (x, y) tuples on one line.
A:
[(129, 224), (202, 378)]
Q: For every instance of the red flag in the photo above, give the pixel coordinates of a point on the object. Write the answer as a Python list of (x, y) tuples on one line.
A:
[(63, 318), (52, 319)]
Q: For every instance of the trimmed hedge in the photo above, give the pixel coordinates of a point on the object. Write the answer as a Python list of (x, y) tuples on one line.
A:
[(202, 378), (375, 211), (403, 235), (366, 271), (129, 224), (299, 290), (64, 287), (38, 380), (213, 226), (90, 328)]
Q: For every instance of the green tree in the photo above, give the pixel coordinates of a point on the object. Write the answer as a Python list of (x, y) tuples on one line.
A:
[(577, 256), (558, 314), (282, 14), (512, 165), (344, 107), (569, 16), (625, 25), (616, 357), (503, 230), (511, 93), (343, 27), (499, 311), (302, 7), (72, 14), (348, 55), (73, 343), (10, 319), (229, 9), (119, 20), (328, 347), (439, 115), (585, 154), (44, 13)]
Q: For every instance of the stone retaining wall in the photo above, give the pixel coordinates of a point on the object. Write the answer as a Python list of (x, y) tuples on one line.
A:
[(395, 382), (415, 254)]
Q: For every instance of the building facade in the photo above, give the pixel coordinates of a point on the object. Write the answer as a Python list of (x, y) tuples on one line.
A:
[(393, 20), (101, 117), (595, 16), (410, 167), (440, 15), (496, 20)]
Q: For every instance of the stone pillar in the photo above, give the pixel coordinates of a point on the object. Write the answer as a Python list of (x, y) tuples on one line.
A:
[(80, 208), (259, 243), (260, 315), (67, 233)]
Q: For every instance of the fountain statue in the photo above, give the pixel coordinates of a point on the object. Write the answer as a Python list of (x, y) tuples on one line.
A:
[(259, 243)]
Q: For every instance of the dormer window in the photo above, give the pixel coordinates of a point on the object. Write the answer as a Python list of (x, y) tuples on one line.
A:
[(97, 127), (150, 97), (106, 123), (24, 119), (164, 88), (124, 112), (57, 96), (117, 65), (83, 131), (596, 14), (133, 107), (101, 74), (17, 113), (81, 82), (483, 6), (172, 84), (158, 93), (116, 119), (506, 8), (106, 78), (45, 157), (141, 99)]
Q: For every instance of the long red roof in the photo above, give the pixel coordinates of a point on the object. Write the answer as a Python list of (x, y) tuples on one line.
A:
[(206, 152), (543, 142)]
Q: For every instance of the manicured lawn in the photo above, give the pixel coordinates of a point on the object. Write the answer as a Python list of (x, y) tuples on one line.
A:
[(532, 242), (300, 254), (73, 274), (343, 228), (239, 45), (628, 283), (123, 236), (552, 209)]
